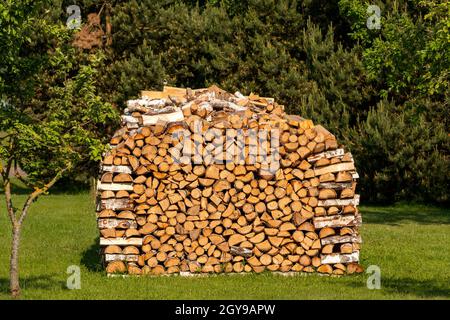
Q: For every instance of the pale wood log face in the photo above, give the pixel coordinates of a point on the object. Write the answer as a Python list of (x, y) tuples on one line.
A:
[(205, 181)]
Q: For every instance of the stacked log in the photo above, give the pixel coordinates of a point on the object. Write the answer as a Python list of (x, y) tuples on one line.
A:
[(208, 181)]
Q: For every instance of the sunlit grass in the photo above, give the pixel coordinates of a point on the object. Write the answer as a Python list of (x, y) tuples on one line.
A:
[(409, 243)]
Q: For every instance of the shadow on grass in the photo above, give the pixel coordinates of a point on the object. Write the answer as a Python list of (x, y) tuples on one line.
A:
[(91, 257), (419, 288), (406, 213), (44, 282)]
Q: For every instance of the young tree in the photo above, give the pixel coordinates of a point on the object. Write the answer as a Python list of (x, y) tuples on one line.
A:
[(51, 118)]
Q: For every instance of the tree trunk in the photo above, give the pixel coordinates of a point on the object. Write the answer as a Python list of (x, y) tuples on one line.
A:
[(14, 284), (14, 262)]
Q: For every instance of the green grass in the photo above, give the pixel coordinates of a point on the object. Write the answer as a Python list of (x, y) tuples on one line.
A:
[(410, 244)]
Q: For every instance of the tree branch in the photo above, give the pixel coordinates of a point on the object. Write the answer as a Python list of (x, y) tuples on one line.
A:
[(36, 193)]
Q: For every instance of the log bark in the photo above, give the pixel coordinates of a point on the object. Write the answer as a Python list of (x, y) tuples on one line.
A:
[(121, 242), (340, 258), (114, 186), (346, 166), (339, 202), (341, 239), (337, 221)]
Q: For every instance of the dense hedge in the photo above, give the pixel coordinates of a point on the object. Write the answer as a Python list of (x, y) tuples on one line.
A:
[(384, 92)]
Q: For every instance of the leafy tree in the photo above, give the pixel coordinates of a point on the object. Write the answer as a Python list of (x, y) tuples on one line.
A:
[(401, 155), (410, 54), (51, 119)]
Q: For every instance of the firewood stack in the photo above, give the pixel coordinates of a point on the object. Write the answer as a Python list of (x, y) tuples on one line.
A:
[(204, 181)]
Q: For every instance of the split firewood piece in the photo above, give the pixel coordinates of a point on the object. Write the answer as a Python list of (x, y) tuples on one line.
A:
[(325, 268), (257, 238), (113, 249), (346, 248), (287, 226), (306, 226), (349, 209), (347, 193), (129, 233), (344, 176), (106, 178), (333, 210), (106, 214), (236, 239), (108, 194), (108, 233), (327, 177), (354, 267), (322, 162), (253, 261), (265, 259), (122, 194), (212, 172), (116, 267), (134, 162), (326, 232), (305, 260), (130, 250), (123, 177), (327, 194), (327, 248)]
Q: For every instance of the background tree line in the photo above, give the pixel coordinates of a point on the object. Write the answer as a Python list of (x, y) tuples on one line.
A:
[(383, 92)]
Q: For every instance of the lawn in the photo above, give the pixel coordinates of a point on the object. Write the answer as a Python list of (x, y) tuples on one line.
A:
[(411, 245)]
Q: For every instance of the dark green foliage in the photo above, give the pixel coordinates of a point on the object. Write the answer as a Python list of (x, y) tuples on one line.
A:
[(318, 58), (408, 62), (340, 77), (401, 155), (232, 7)]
